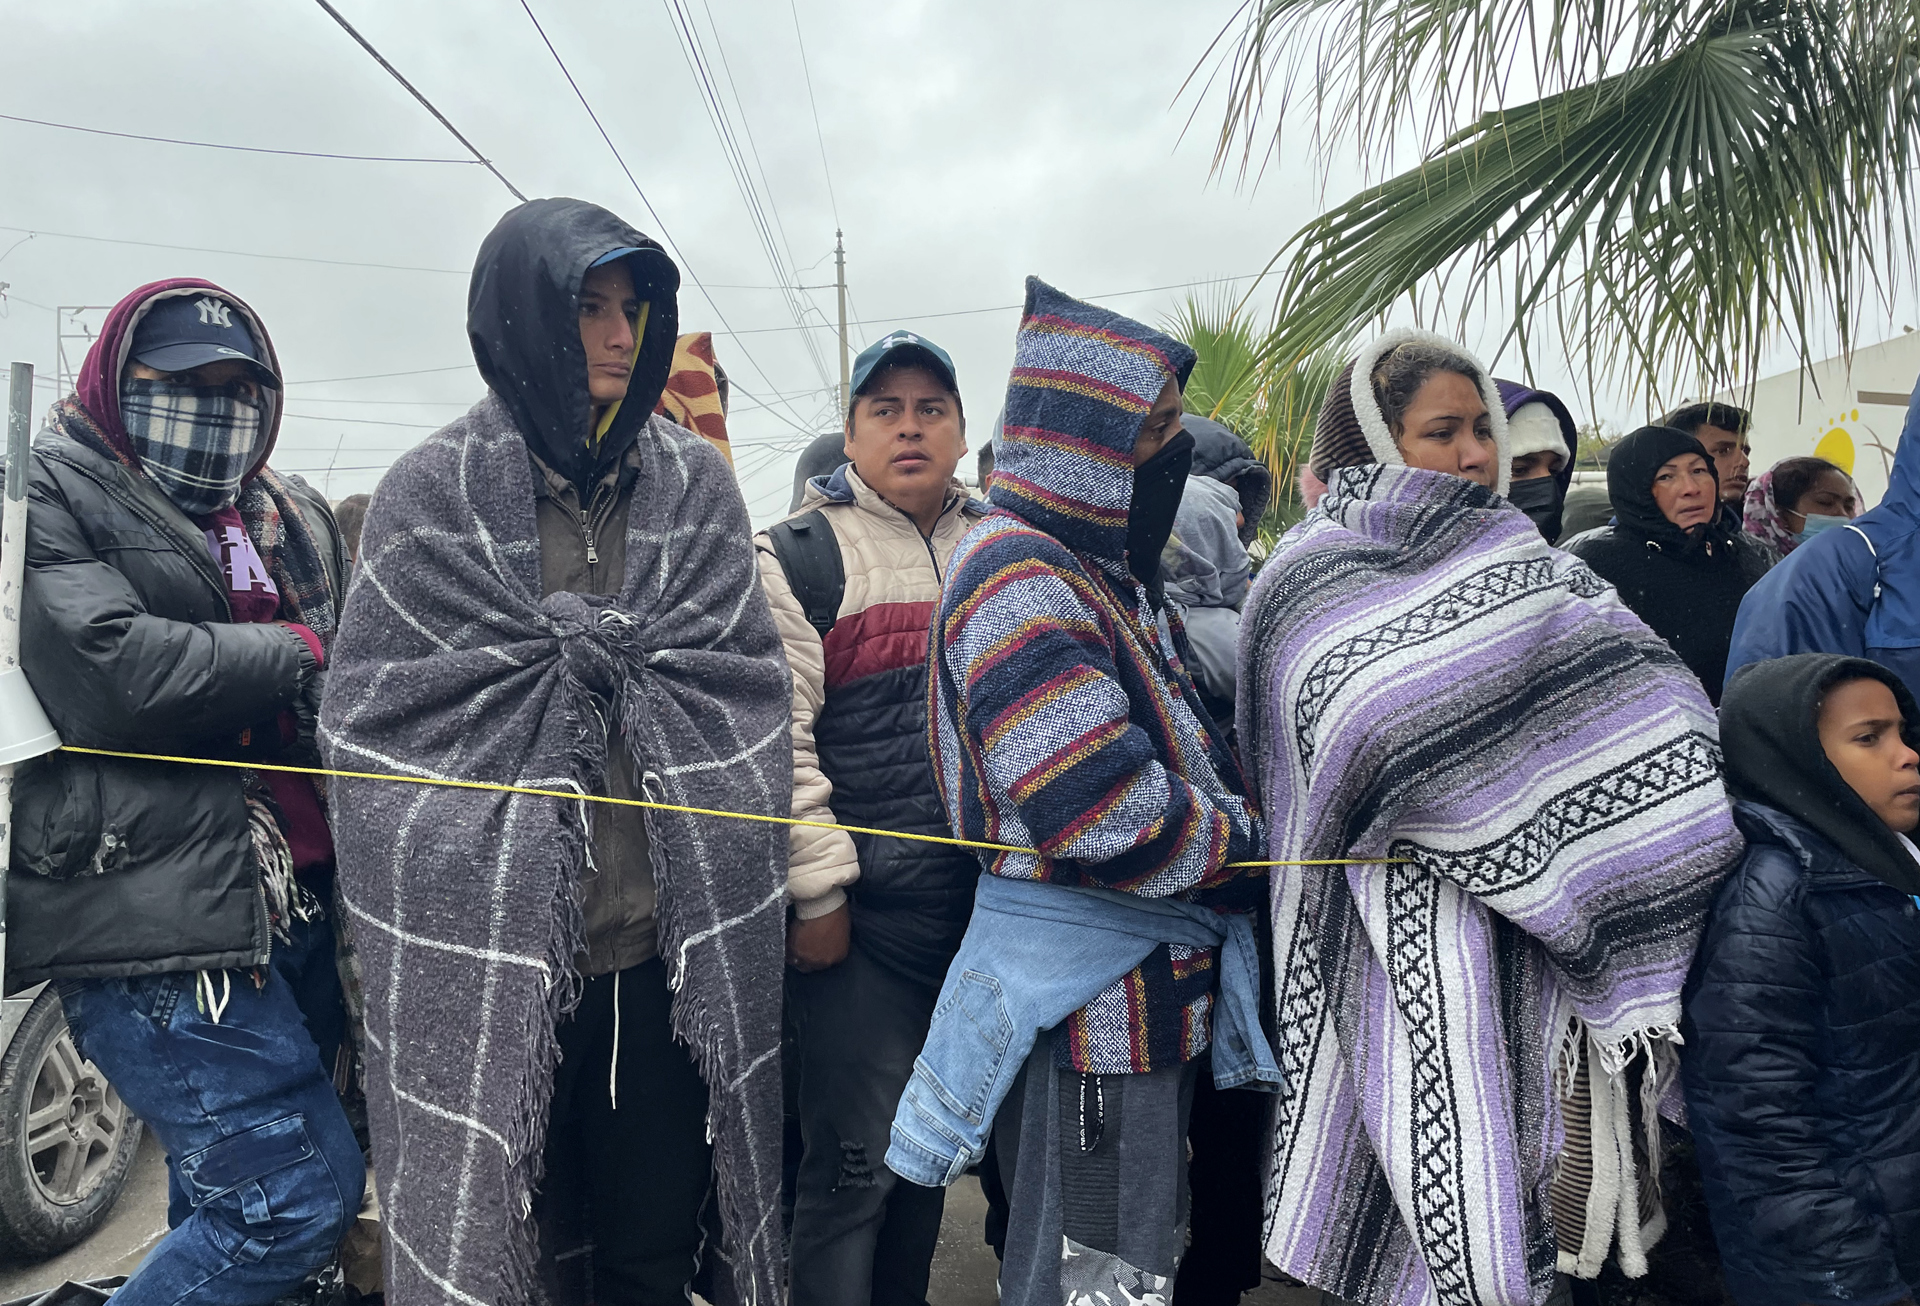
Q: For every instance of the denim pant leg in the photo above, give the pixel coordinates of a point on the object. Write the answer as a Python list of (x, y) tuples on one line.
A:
[(861, 1234), (306, 962), (261, 1148)]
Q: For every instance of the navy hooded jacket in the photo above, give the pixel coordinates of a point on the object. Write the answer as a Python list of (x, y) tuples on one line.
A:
[(1802, 1016), (1854, 591)]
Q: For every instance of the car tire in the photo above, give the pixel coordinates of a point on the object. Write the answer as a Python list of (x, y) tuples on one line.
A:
[(67, 1141)]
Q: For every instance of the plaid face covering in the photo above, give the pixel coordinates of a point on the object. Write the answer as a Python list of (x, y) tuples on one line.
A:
[(196, 442)]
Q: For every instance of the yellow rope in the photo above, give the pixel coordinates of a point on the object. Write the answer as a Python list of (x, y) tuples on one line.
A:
[(641, 802)]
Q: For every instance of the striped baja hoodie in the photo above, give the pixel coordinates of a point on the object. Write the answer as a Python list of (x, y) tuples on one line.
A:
[(1061, 719)]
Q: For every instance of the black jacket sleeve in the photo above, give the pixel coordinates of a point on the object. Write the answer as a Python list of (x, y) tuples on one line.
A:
[(1752, 1063), (113, 675)]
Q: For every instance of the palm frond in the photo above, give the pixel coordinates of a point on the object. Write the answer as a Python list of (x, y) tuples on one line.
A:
[(1242, 380), (1749, 169)]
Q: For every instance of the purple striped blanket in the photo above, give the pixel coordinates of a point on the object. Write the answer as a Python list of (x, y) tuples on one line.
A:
[(1424, 678)]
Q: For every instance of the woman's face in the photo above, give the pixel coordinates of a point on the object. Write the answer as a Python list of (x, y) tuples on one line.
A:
[(1831, 495), (1685, 492), (1446, 429)]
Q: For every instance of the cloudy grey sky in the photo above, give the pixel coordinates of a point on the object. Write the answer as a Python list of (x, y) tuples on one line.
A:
[(968, 145)]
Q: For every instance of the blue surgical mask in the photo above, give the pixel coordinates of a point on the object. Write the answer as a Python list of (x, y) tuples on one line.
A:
[(1817, 522)]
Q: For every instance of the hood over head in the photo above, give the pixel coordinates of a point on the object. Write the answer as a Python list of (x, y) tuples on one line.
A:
[(1220, 455), (1769, 732), (1631, 467), (1352, 430), (1083, 381), (97, 388), (523, 320), (1537, 422), (1205, 565), (1893, 529), (817, 461)]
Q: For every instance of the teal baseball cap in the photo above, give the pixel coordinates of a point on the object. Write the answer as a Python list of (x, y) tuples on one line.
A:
[(903, 347)]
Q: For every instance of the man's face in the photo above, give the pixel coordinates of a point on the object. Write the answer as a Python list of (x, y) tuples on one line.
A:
[(905, 436), (1533, 466), (609, 315), (225, 371), (1730, 453), (1160, 426)]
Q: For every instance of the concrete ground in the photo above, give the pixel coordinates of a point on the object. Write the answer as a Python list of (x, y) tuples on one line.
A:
[(964, 1268)]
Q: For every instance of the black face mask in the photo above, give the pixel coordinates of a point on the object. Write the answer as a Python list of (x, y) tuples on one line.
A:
[(1542, 500), (1157, 486)]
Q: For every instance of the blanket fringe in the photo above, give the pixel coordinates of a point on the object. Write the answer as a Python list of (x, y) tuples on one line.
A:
[(1613, 1203)]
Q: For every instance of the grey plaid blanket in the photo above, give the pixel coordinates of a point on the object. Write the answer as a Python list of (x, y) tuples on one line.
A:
[(462, 903)]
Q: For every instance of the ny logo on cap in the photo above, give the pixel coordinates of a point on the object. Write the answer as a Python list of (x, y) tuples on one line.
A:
[(902, 338), (214, 313)]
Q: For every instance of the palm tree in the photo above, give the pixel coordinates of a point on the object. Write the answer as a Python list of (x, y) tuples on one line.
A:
[(1242, 380), (1669, 185)]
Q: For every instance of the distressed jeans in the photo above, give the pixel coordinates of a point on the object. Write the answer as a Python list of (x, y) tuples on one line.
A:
[(255, 1138), (862, 1236)]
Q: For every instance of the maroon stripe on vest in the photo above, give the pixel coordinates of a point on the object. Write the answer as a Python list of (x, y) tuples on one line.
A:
[(884, 637)]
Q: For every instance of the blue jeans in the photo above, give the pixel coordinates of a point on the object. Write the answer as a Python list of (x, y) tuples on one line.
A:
[(255, 1137)]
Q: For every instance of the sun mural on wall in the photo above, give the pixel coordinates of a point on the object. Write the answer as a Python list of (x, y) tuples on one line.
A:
[(1836, 442)]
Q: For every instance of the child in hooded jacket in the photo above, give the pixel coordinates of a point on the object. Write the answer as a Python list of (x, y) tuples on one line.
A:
[(1802, 1056)]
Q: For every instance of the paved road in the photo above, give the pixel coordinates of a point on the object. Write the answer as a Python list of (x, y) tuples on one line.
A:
[(964, 1268)]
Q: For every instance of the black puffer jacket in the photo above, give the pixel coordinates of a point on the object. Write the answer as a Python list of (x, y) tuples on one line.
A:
[(1802, 1065), (119, 867), (1685, 584), (122, 867)]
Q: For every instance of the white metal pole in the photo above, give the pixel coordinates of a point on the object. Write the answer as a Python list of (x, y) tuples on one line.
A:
[(13, 569)]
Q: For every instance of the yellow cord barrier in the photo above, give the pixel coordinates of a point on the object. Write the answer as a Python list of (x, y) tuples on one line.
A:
[(570, 796)]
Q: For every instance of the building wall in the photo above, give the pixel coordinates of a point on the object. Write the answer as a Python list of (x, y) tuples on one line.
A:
[(1848, 415)]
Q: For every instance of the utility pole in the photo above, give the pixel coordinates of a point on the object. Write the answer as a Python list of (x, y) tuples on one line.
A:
[(840, 285)]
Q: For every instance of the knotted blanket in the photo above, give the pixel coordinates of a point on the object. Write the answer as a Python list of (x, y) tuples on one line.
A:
[(1422, 677), (463, 903)]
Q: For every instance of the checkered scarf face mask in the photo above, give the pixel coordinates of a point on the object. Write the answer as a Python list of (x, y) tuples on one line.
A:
[(195, 441)]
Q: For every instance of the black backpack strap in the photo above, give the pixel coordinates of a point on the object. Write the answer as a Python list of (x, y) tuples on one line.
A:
[(809, 553)]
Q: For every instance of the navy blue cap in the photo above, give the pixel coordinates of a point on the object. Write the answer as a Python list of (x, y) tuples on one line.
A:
[(903, 347), (185, 331)]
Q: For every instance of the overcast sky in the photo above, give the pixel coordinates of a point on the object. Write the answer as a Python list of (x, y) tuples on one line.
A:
[(967, 144)]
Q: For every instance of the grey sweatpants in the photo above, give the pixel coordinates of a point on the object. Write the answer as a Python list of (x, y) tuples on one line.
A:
[(1095, 1170)]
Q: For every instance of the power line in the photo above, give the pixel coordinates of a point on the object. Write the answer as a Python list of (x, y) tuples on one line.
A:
[(659, 225), (243, 149), (381, 376), (700, 66), (994, 308), (236, 253), (818, 135), (425, 103)]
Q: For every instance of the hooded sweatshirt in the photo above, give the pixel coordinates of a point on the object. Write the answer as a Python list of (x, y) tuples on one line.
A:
[(1685, 584), (1854, 590), (1220, 455), (1207, 574), (1061, 720), (1544, 426), (523, 319)]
